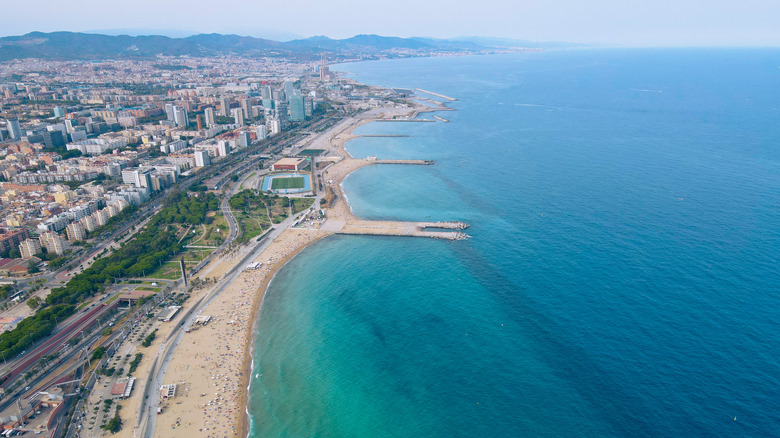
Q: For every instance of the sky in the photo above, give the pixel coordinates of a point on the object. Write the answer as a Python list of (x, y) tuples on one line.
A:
[(609, 22)]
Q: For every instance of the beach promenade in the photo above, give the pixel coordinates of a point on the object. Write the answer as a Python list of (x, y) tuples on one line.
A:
[(211, 365)]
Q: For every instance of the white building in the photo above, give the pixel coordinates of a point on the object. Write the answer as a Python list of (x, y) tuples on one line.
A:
[(210, 117), (76, 232), (173, 146), (29, 248), (262, 132), (202, 158), (53, 242), (97, 146), (238, 116)]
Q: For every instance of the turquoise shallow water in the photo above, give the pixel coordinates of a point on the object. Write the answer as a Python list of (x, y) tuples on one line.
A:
[(622, 278)]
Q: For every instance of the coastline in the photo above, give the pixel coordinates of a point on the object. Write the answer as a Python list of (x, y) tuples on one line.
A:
[(236, 311)]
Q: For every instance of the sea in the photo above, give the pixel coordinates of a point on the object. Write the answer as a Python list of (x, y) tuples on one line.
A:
[(622, 278)]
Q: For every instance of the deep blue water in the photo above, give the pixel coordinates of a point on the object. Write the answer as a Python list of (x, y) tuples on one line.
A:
[(622, 278)]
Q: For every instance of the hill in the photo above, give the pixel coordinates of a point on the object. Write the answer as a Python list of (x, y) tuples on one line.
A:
[(85, 46)]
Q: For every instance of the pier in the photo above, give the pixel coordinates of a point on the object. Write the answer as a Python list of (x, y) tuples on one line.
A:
[(398, 228), (413, 162), (441, 119), (451, 99), (380, 136), (405, 120)]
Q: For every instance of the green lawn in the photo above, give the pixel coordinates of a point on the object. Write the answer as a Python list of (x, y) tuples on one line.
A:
[(295, 182), (169, 271), (311, 152)]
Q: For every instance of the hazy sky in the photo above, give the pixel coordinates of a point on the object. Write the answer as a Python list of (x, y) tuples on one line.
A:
[(619, 22)]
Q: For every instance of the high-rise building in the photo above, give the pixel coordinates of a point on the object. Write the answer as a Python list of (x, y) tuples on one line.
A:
[(76, 232), (29, 248), (180, 116), (265, 92), (289, 90), (244, 139), (224, 107), (202, 159), (262, 132), (101, 216), (53, 139), (210, 117), (274, 126), (246, 106), (200, 122), (297, 109), (14, 130), (53, 242), (89, 223), (324, 71), (223, 147), (58, 111), (308, 106), (137, 177), (283, 113), (238, 116), (169, 111)]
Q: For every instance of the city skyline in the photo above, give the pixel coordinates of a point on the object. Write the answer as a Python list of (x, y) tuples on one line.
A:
[(607, 22)]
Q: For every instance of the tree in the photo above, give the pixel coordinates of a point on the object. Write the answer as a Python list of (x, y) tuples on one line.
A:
[(98, 353), (32, 267), (34, 302)]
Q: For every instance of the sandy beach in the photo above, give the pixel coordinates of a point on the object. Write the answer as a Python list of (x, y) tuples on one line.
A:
[(212, 365)]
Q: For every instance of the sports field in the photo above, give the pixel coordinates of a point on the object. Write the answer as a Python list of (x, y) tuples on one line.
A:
[(295, 182)]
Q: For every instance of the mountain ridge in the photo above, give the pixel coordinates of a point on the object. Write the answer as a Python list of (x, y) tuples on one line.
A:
[(63, 45)]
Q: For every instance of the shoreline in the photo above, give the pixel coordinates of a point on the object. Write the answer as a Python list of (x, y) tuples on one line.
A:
[(245, 421), (192, 366)]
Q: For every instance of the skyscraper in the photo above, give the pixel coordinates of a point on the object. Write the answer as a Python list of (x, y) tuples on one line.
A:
[(210, 119), (283, 113), (265, 92), (324, 71), (245, 107), (14, 130), (202, 159), (297, 109), (244, 140), (224, 107), (289, 91), (180, 116), (262, 132), (169, 111), (238, 116), (53, 139)]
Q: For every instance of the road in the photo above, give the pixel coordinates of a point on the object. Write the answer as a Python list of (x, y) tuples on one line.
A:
[(148, 413)]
